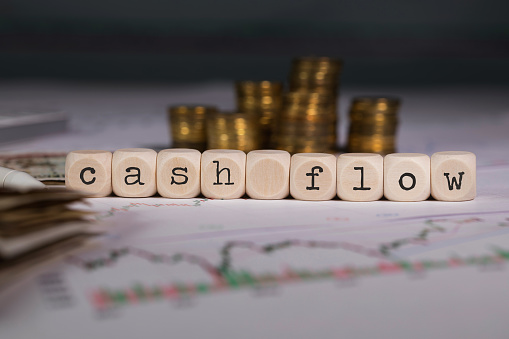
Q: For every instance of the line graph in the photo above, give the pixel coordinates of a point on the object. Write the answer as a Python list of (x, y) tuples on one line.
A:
[(103, 298)]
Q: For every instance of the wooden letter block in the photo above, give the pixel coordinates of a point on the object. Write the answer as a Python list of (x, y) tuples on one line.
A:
[(223, 174), (360, 176), (134, 172), (89, 171), (313, 176), (178, 173), (268, 174), (407, 177), (453, 176)]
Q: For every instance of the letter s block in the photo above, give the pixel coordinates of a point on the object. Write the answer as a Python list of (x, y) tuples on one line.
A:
[(313, 176), (268, 174), (89, 171), (134, 172), (453, 176), (178, 173), (223, 174), (360, 176), (407, 177)]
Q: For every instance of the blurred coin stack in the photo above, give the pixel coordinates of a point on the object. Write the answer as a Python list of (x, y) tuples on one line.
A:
[(262, 99), (373, 125), (188, 126), (309, 116), (233, 131)]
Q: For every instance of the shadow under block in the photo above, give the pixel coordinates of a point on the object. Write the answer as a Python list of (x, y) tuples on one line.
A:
[(223, 174), (178, 173), (453, 176), (268, 174), (407, 177), (313, 176), (89, 171), (360, 176), (134, 172)]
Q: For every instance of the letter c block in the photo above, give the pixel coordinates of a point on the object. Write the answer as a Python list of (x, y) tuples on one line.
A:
[(89, 171), (134, 172), (223, 174), (407, 177), (178, 173)]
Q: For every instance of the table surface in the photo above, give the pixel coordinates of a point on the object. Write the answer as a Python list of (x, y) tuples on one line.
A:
[(249, 268)]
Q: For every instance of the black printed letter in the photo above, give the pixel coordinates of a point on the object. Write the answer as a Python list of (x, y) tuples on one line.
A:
[(454, 182), (82, 177), (313, 175), (182, 175), (218, 172), (138, 176), (401, 181), (362, 188)]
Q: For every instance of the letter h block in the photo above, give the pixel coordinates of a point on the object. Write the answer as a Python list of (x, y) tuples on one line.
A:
[(178, 173), (89, 171), (223, 174)]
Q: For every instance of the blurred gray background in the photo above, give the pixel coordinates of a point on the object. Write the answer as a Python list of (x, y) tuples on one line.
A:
[(381, 42)]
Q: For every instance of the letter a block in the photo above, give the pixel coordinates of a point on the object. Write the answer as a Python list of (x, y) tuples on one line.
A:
[(313, 176), (407, 177), (178, 173), (89, 171), (453, 176), (360, 176), (134, 172), (223, 174), (268, 174)]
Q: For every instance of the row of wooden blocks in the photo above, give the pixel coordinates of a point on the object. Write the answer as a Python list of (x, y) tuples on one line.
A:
[(272, 174)]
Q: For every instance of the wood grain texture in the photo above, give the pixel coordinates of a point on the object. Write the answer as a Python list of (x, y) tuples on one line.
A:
[(360, 176), (313, 176), (407, 177), (89, 171), (134, 172), (223, 174), (178, 173), (453, 176), (268, 174)]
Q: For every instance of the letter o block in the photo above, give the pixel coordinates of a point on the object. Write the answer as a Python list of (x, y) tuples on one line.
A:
[(360, 176), (134, 172), (178, 173), (313, 176), (407, 177), (268, 174), (89, 171), (453, 176), (223, 174)]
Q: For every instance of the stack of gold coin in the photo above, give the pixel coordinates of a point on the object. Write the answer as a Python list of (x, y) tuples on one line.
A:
[(309, 116), (307, 123), (188, 125), (262, 99), (315, 74), (373, 125), (239, 131)]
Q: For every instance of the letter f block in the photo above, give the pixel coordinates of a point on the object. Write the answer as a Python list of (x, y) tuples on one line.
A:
[(313, 176), (89, 171), (223, 174), (453, 176)]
